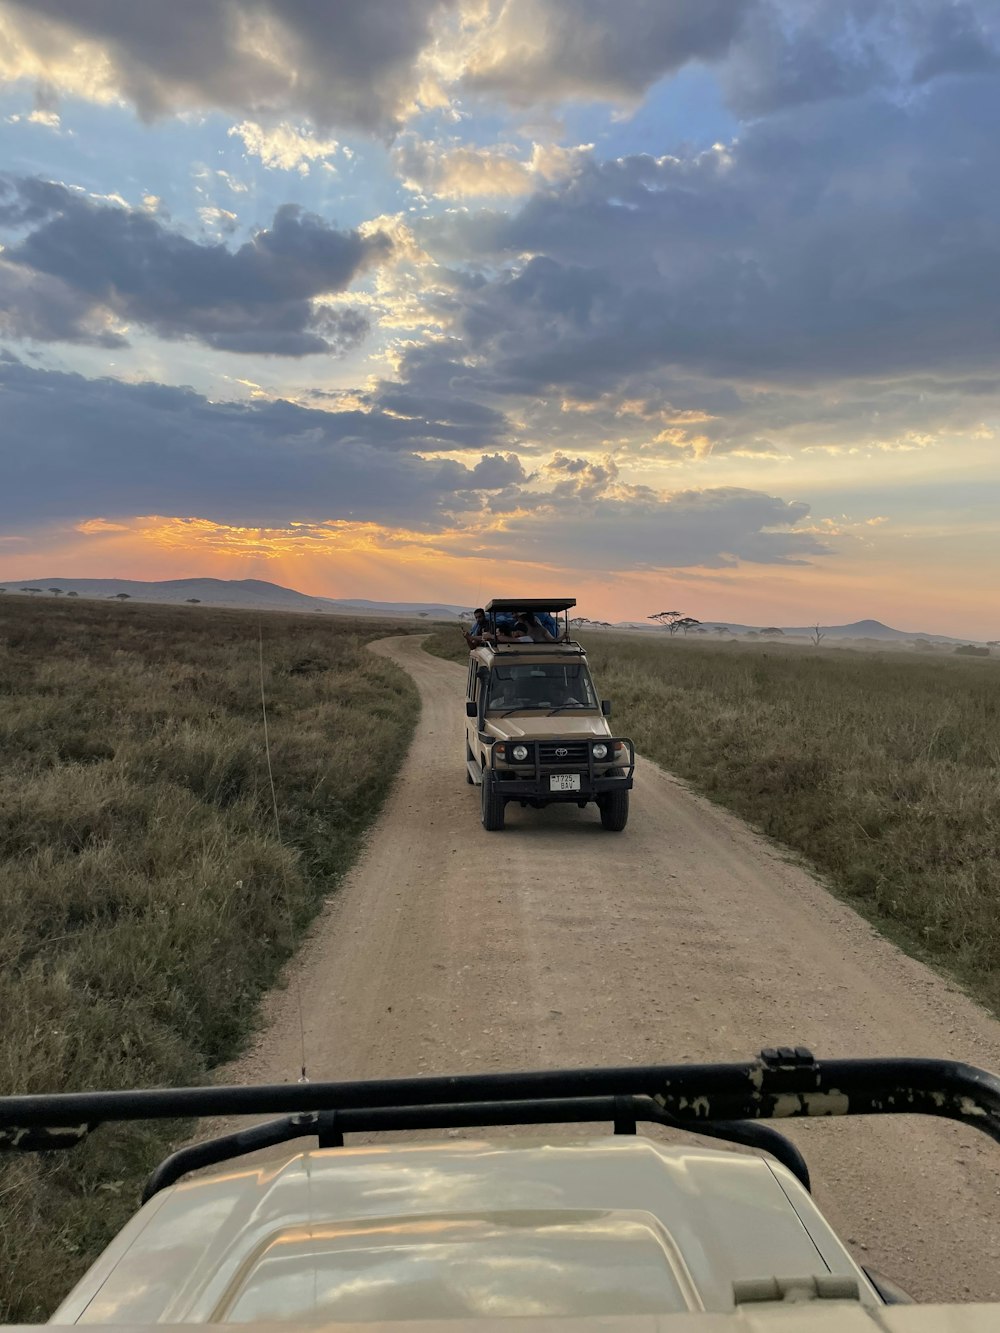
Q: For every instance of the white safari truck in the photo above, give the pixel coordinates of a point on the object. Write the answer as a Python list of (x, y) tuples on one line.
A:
[(602, 1232), (536, 731)]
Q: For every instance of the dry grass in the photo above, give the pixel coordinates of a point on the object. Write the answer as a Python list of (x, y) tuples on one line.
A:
[(145, 901), (881, 768)]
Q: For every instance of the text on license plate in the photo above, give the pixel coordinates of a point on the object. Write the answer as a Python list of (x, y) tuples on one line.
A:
[(564, 782)]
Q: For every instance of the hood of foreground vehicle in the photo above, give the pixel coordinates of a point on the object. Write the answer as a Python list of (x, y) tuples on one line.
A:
[(539, 726), (415, 1231)]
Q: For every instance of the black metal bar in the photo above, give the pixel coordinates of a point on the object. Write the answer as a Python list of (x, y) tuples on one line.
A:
[(224, 1149), (330, 1127), (691, 1094), (625, 1115)]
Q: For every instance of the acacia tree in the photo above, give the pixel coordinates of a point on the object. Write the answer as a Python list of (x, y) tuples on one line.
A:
[(72, 593), (668, 619), (56, 592), (194, 601), (121, 597)]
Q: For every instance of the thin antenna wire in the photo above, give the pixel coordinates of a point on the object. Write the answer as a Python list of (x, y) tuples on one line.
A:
[(303, 1077)]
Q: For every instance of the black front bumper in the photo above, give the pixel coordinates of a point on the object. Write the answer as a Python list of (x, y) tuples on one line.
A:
[(530, 781)]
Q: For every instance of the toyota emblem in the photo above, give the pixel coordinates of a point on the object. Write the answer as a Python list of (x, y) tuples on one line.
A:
[(562, 752)]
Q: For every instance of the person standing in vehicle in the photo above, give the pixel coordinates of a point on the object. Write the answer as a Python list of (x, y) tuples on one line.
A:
[(477, 636)]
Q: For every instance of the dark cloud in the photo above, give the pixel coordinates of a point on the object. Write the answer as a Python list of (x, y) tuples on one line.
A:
[(341, 62), (75, 447), (715, 528), (548, 50), (362, 65), (851, 239), (92, 260)]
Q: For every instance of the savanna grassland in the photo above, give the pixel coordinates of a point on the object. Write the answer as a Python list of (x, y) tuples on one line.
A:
[(145, 899), (881, 768)]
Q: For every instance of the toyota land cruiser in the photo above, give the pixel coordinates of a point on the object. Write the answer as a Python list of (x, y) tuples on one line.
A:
[(536, 731)]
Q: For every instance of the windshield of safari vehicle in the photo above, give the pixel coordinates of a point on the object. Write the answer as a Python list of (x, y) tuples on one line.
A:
[(541, 685)]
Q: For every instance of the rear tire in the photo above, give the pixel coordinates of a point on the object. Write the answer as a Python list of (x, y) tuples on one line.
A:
[(492, 806), (613, 806)]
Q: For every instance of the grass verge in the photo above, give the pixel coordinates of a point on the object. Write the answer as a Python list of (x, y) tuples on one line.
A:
[(882, 769), (145, 901)]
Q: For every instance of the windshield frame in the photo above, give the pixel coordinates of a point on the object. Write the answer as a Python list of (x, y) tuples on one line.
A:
[(564, 676)]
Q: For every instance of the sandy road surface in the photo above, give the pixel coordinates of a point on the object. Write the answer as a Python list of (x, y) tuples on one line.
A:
[(687, 937)]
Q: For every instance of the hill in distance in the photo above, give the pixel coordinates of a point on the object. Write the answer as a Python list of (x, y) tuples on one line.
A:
[(251, 593), (259, 594)]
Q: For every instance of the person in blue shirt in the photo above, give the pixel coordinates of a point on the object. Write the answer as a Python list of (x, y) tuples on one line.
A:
[(477, 635)]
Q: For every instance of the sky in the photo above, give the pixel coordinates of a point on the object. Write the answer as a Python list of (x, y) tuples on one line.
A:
[(661, 304)]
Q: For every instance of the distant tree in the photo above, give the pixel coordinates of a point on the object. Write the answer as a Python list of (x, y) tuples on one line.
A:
[(990, 643), (194, 601), (668, 619), (72, 593), (33, 591), (56, 592), (121, 597), (422, 614), (772, 631), (970, 650), (817, 635), (3, 589), (721, 630), (687, 624)]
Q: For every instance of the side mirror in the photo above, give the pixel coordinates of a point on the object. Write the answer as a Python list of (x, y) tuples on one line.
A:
[(606, 707), (470, 708)]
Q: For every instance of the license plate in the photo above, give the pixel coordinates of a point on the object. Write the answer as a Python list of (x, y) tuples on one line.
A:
[(564, 782)]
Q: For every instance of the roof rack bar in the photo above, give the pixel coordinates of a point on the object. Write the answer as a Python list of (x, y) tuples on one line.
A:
[(772, 1087), (461, 1115)]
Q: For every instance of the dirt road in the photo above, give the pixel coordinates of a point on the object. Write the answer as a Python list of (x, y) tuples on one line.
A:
[(687, 937)]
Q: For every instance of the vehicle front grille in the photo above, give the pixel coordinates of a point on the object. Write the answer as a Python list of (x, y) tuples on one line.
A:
[(561, 754)]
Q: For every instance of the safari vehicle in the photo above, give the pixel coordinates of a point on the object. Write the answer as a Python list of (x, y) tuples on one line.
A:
[(536, 731), (614, 1231)]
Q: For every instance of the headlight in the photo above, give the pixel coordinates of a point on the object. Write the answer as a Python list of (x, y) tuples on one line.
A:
[(519, 753), (600, 751)]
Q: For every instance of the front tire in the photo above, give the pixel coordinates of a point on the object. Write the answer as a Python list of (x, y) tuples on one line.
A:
[(613, 806), (492, 806)]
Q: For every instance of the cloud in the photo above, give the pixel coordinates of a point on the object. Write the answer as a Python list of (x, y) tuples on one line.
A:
[(84, 265), (356, 65), (372, 65), (49, 119), (531, 51), (284, 147), (465, 171), (594, 527), (844, 240), (792, 54), (85, 447)]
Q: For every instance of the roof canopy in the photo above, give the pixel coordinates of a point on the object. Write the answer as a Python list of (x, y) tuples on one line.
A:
[(530, 604)]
